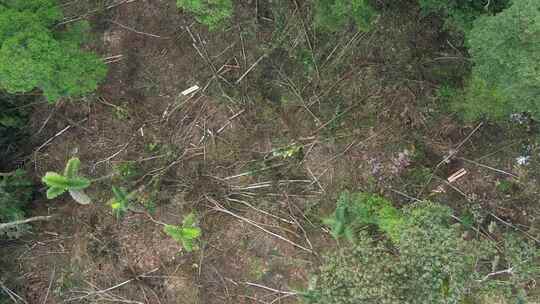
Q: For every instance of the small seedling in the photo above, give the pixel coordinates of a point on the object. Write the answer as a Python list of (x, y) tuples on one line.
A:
[(288, 151), (506, 187), (70, 181), (120, 202), (186, 234), (152, 147), (121, 113), (127, 171)]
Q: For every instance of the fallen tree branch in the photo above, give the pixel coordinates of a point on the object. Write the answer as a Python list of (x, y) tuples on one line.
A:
[(509, 271), (292, 293), (26, 221), (135, 31)]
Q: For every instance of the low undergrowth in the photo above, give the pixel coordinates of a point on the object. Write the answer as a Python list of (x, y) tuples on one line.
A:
[(419, 254)]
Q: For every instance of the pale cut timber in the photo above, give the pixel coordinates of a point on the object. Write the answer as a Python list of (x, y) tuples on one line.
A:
[(190, 90), (457, 175)]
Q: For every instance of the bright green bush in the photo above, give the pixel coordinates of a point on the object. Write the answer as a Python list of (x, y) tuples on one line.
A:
[(505, 77), (356, 210), (15, 194), (427, 261), (332, 15), (212, 13), (32, 55)]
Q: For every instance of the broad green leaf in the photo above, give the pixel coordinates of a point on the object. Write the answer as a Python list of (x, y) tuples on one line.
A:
[(349, 234), (183, 235), (72, 168), (174, 232), (80, 197), (329, 221), (53, 179), (337, 229), (78, 183), (191, 233), (54, 192)]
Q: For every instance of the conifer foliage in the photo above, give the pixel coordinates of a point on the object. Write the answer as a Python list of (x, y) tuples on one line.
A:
[(33, 54)]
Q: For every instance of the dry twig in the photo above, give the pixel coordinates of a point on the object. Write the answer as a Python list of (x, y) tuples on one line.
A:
[(26, 221), (136, 31), (220, 208)]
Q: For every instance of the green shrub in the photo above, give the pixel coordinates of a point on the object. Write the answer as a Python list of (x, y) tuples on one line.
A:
[(15, 194), (504, 49), (353, 275), (212, 13), (427, 261), (523, 258), (460, 14), (356, 210), (32, 55), (332, 15)]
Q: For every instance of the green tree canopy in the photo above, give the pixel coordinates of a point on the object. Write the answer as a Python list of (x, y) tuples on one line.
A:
[(506, 73), (460, 14), (32, 55), (423, 259)]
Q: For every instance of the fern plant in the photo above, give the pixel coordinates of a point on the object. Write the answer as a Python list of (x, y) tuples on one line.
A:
[(70, 181), (356, 210), (185, 234)]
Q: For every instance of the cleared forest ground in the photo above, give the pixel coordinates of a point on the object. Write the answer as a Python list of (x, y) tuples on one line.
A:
[(284, 119)]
